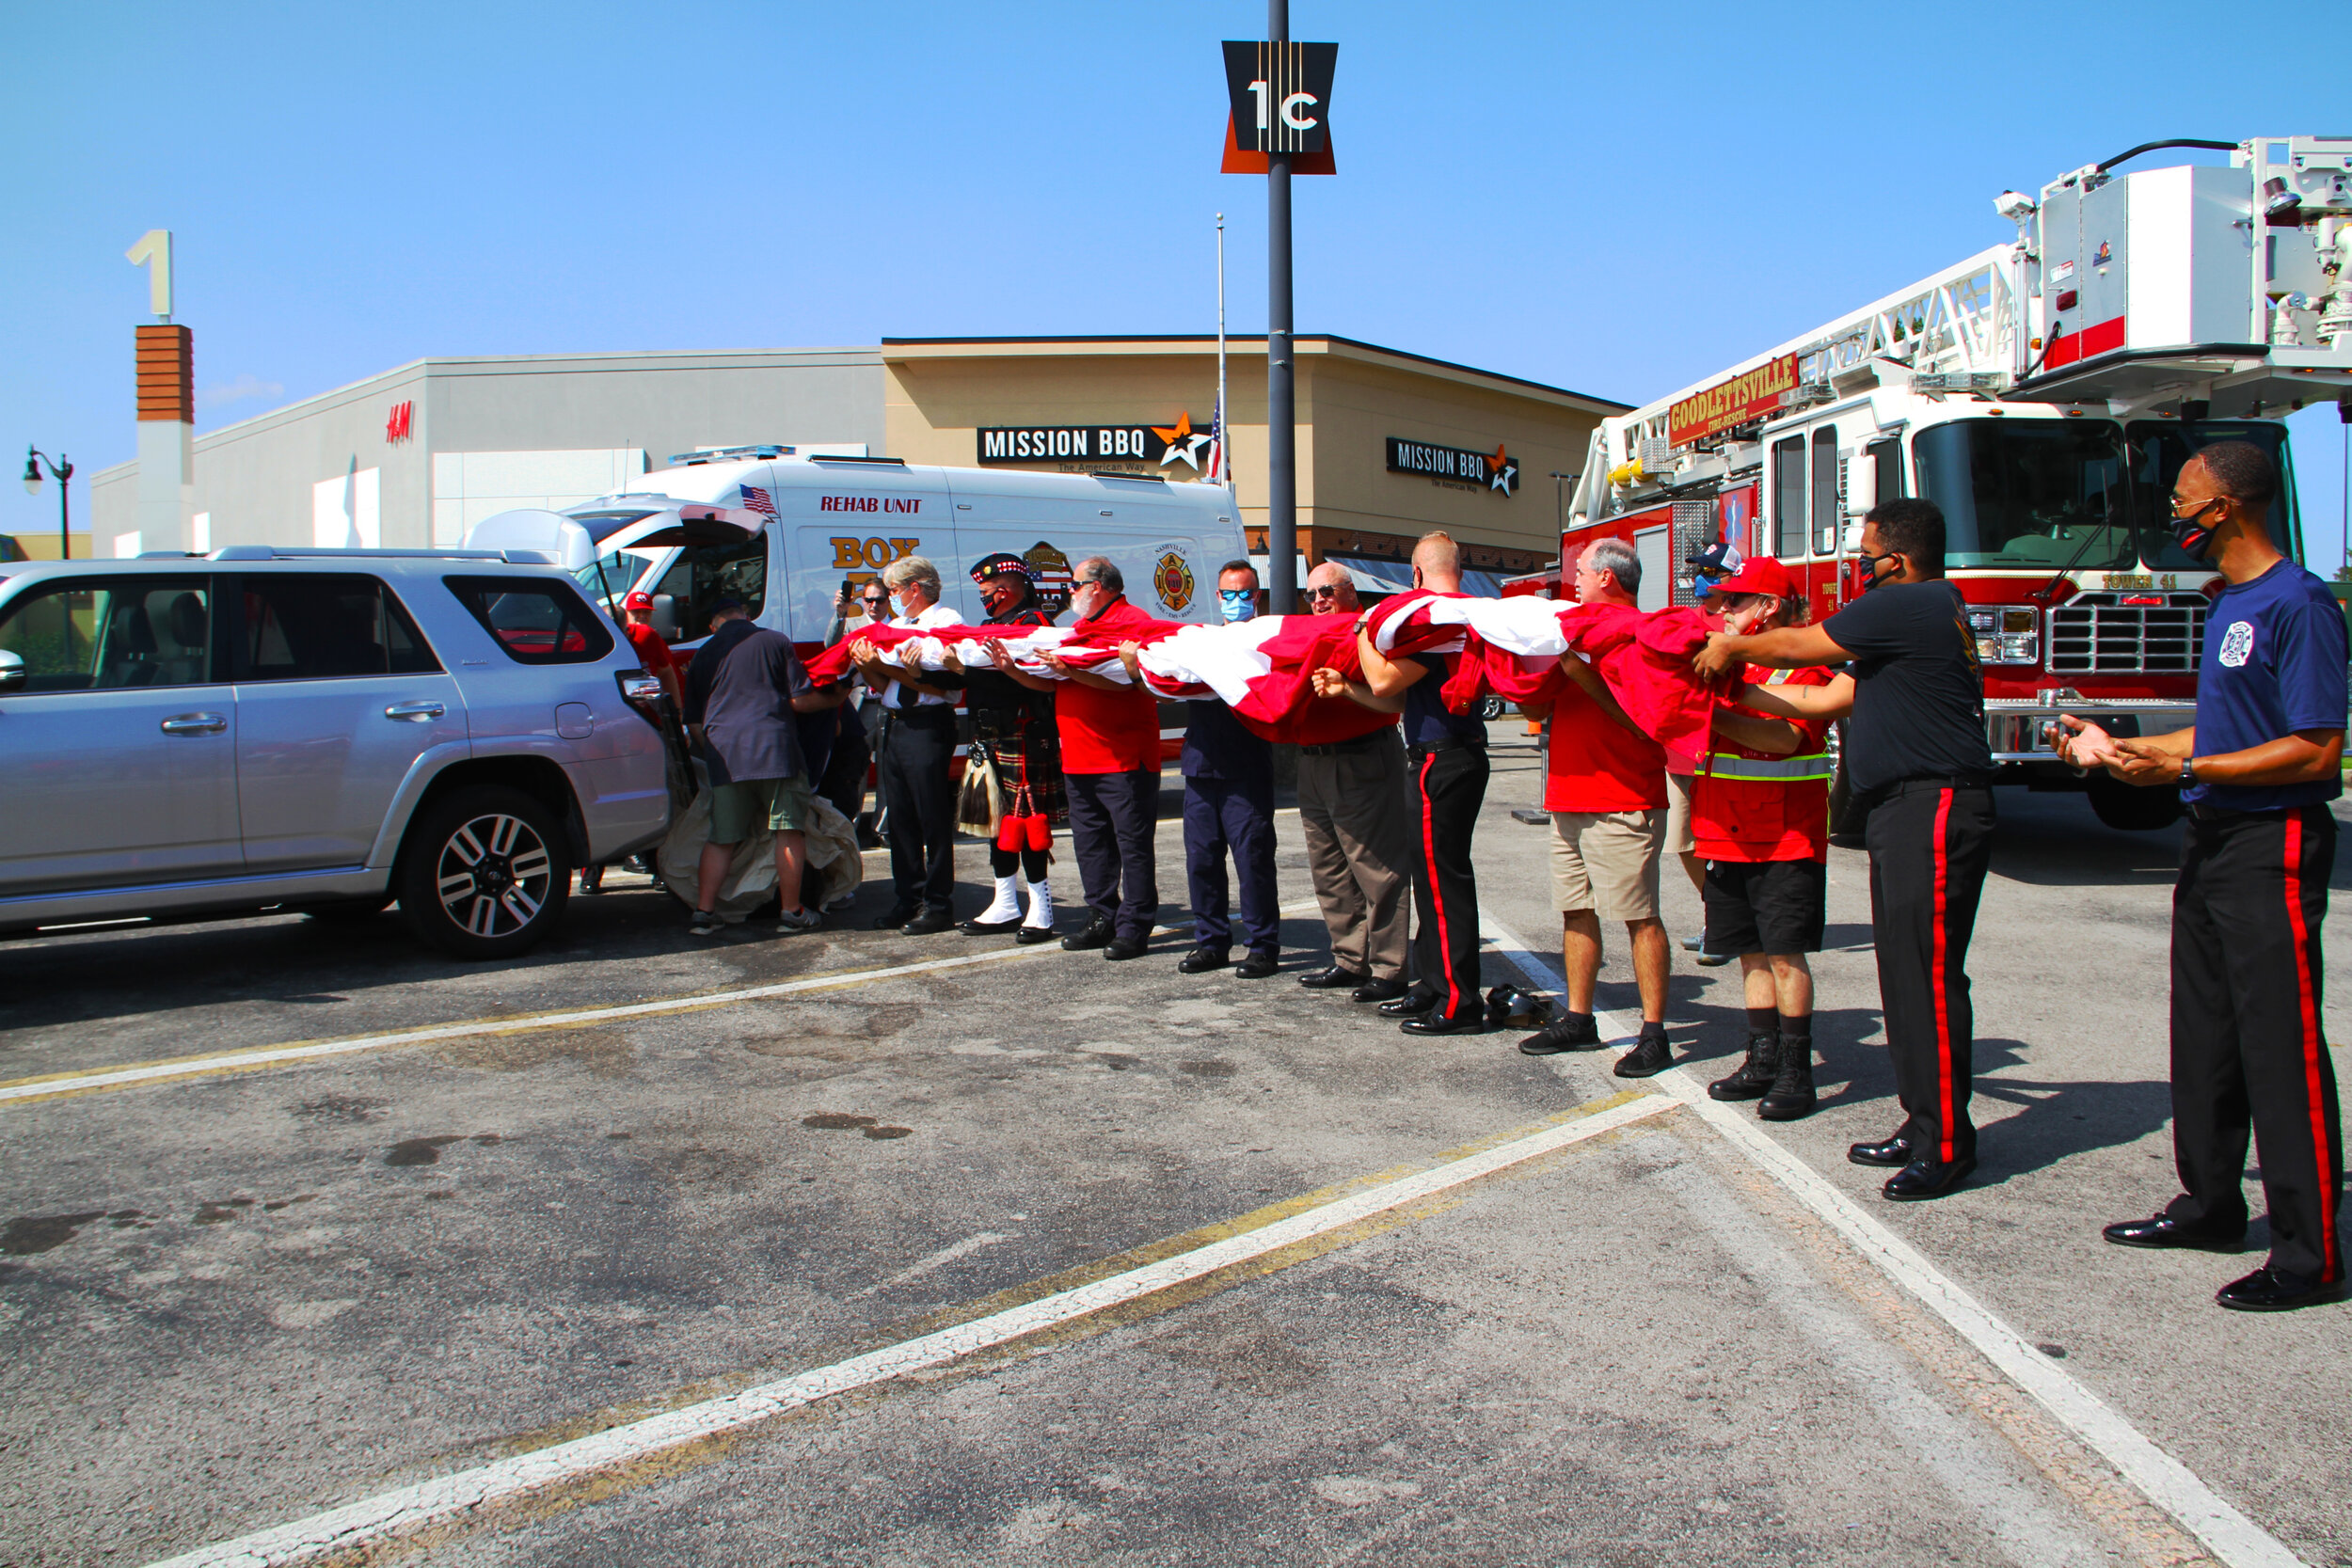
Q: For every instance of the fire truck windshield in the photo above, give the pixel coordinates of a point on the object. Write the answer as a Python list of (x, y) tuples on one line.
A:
[(2028, 494), (2159, 447)]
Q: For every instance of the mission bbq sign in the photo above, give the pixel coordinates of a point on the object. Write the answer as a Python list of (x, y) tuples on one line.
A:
[(1489, 470), (1177, 446)]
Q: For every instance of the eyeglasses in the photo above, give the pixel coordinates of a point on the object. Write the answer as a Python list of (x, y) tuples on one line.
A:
[(1323, 593), (2194, 506)]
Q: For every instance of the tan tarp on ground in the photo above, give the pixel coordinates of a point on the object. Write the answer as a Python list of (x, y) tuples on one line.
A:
[(835, 866)]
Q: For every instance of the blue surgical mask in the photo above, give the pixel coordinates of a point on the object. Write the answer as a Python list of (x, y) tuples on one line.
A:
[(1239, 604)]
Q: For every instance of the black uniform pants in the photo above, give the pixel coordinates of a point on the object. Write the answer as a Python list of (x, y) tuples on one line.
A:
[(917, 752), (1930, 842), (2247, 1054), (1112, 818), (1451, 785), (844, 779), (1235, 815)]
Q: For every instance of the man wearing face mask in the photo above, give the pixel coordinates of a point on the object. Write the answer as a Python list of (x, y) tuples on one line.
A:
[(1228, 804), (1012, 724), (1916, 748), (2256, 773), (1110, 758)]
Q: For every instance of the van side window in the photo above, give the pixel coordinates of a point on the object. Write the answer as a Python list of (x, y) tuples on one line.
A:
[(704, 574), (534, 620), (328, 627), (1789, 499), (108, 633), (1825, 491), (1888, 455)]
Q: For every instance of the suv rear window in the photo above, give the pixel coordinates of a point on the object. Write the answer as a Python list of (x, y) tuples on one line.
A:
[(536, 620), (299, 626)]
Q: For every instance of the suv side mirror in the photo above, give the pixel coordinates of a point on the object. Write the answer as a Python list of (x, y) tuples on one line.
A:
[(11, 672)]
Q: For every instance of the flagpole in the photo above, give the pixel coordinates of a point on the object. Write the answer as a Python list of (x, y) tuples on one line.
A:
[(1224, 415)]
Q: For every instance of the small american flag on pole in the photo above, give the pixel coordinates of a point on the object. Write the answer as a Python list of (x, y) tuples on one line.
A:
[(757, 500), (1217, 473)]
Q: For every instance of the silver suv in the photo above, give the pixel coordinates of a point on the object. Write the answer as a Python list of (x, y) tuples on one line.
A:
[(324, 731)]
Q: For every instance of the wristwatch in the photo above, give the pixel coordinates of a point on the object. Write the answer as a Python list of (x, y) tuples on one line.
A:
[(2188, 772)]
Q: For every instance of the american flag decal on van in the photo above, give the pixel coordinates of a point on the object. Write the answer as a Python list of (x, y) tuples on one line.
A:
[(757, 500)]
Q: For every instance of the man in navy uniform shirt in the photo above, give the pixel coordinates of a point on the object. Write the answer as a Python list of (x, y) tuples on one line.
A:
[(2256, 773), (1228, 805)]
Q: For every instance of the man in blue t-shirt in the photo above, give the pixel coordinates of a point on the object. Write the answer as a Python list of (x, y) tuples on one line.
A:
[(2256, 773), (1448, 752)]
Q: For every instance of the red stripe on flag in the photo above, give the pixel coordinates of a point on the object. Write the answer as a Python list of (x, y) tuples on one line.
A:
[(2327, 1267), (1943, 1016)]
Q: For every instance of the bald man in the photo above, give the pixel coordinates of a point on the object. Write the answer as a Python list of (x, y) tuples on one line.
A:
[(1354, 804), (1448, 754)]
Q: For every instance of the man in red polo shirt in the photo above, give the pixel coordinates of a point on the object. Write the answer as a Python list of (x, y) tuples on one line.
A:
[(1605, 785), (1110, 761), (1759, 808)]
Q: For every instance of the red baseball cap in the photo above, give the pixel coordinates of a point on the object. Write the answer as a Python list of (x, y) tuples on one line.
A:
[(637, 600), (1760, 574)]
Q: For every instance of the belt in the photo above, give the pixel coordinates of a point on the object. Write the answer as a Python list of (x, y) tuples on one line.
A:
[(1423, 748), (1955, 781), (930, 713), (1344, 747), (2206, 811), (1724, 765)]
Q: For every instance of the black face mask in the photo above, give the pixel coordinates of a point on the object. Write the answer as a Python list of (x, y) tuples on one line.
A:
[(1869, 563), (2193, 537)]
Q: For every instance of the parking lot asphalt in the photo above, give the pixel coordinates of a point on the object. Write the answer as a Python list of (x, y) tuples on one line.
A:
[(237, 1297)]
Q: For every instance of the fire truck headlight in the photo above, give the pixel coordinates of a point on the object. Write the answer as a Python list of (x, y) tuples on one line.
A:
[(2006, 634)]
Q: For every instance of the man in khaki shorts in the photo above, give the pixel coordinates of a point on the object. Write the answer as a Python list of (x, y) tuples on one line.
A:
[(1605, 785)]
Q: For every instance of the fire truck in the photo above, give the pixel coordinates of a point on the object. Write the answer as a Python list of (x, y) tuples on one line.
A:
[(2044, 393)]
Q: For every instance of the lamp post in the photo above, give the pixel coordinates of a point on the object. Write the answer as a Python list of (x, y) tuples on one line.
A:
[(63, 471)]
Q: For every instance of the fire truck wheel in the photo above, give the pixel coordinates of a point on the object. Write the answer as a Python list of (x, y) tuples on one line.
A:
[(2131, 809)]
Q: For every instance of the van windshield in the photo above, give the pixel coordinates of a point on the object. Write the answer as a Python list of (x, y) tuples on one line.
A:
[(2031, 494), (2160, 447), (606, 579)]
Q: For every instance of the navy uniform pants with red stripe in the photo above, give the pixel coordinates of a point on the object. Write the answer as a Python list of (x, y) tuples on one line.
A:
[(1931, 843), (2248, 1053), (1452, 784)]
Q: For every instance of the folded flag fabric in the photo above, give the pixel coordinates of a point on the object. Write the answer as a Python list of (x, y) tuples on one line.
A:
[(1264, 670)]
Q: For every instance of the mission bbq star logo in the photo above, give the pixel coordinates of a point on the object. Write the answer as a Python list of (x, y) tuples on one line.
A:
[(1183, 444), (1504, 474)]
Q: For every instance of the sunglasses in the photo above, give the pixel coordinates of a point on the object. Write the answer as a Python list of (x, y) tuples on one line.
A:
[(1323, 593)]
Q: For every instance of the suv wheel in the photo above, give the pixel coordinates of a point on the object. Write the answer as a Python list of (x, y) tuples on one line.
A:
[(484, 874)]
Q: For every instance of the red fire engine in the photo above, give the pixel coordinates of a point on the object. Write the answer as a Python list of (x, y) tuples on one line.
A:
[(2044, 393)]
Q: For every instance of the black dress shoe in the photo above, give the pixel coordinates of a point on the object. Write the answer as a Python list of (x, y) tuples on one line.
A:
[(1379, 990), (928, 923), (1412, 1004), (1119, 948), (2162, 1230), (1201, 959), (900, 914), (987, 927), (2275, 1290), (1260, 965), (1894, 1151), (1337, 978), (1097, 934), (1562, 1034), (1470, 1021), (1031, 935), (1650, 1057), (1923, 1178)]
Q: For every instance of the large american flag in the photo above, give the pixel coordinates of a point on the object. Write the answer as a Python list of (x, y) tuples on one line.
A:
[(758, 500)]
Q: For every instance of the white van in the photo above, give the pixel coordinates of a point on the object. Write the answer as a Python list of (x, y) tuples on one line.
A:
[(784, 532)]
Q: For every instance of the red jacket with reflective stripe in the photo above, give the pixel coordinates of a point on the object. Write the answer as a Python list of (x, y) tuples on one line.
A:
[(1763, 819)]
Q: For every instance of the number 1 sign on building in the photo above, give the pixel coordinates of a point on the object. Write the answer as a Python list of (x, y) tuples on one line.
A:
[(1279, 124)]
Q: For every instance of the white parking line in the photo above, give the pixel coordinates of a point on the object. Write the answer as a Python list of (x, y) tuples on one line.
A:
[(2229, 1534), (409, 1508)]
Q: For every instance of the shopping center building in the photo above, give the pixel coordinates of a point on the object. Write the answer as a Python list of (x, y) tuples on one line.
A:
[(1389, 444)]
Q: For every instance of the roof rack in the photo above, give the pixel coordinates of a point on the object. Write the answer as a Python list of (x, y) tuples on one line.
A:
[(1114, 474), (846, 457), (308, 552)]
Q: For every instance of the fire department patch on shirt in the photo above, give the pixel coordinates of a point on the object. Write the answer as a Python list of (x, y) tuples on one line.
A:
[(2237, 644)]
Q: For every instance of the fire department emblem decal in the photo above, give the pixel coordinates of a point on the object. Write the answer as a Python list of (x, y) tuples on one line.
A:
[(1172, 581), (2237, 644)]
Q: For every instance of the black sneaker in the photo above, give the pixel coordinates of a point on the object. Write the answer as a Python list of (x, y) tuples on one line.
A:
[(1562, 1034), (1649, 1057), (704, 924)]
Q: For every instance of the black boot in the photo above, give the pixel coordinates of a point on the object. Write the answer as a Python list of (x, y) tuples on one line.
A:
[(1754, 1075), (1792, 1094)]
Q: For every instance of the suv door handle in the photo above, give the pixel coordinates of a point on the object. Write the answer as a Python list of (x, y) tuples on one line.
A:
[(416, 713), (195, 723)]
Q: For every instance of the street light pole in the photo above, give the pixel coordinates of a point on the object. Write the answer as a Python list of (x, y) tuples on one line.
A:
[(63, 471), (1281, 457)]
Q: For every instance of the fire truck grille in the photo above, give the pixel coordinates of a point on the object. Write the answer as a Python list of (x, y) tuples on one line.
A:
[(2128, 634)]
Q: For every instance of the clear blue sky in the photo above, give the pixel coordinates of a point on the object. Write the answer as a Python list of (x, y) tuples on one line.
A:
[(1617, 199)]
